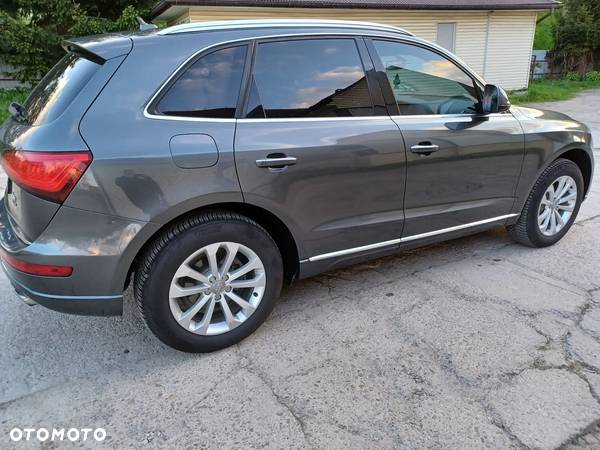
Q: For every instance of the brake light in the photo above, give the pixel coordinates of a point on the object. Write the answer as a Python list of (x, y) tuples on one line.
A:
[(49, 175), (37, 269)]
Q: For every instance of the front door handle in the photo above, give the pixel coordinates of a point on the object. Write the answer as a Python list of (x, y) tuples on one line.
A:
[(276, 162), (424, 148)]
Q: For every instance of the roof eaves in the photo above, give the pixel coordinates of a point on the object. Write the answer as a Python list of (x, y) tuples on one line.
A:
[(164, 5)]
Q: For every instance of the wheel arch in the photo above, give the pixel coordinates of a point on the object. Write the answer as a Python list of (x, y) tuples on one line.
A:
[(583, 160), (279, 231)]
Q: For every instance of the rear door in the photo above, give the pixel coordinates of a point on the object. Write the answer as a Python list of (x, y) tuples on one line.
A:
[(462, 166), (317, 147)]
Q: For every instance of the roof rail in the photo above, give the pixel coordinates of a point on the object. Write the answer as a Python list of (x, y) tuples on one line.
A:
[(279, 23)]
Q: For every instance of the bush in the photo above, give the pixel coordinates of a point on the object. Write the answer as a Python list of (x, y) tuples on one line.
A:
[(577, 34), (572, 76), (32, 30), (592, 76)]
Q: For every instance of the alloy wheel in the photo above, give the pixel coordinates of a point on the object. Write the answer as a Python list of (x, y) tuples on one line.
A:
[(557, 205), (217, 288)]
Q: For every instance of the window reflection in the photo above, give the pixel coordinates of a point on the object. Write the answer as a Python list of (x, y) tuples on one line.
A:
[(425, 82), (208, 88), (58, 88), (310, 78)]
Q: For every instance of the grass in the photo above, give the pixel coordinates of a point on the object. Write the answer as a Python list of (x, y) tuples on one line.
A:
[(8, 96), (544, 32), (552, 90)]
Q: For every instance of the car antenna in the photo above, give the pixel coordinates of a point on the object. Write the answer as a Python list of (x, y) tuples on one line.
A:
[(145, 26)]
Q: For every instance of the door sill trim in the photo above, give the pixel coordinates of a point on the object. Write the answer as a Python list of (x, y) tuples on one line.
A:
[(414, 237)]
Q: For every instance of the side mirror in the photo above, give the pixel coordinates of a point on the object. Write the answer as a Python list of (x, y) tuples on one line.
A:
[(495, 99)]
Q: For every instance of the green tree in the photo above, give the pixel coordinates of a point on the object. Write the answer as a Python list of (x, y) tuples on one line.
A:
[(544, 32), (577, 35), (31, 31)]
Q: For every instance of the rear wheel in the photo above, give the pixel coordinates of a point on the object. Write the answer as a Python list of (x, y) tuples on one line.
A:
[(551, 207), (209, 282)]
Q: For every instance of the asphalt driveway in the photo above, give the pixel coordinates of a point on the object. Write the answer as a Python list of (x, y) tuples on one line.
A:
[(473, 343)]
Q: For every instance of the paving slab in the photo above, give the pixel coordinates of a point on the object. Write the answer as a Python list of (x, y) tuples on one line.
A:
[(545, 408), (584, 348)]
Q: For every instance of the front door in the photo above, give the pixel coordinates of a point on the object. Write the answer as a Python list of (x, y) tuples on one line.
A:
[(462, 166), (314, 150)]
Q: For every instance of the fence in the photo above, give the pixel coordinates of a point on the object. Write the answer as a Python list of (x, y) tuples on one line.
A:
[(544, 66), (6, 81)]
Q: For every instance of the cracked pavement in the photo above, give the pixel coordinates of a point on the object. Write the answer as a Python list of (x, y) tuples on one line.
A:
[(473, 343)]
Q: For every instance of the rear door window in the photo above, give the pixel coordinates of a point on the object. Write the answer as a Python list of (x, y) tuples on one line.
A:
[(209, 88), (58, 88), (309, 78)]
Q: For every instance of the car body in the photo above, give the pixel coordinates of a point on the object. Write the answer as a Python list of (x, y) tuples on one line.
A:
[(357, 182)]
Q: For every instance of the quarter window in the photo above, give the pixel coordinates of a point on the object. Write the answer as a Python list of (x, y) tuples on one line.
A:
[(425, 82), (309, 78), (209, 87), (58, 88)]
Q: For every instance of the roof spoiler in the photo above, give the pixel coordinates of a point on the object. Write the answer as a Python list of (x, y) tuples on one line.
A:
[(79, 50), (99, 48)]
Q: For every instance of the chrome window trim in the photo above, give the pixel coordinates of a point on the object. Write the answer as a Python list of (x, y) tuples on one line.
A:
[(414, 237), (407, 39), (313, 119), (176, 72), (446, 116), (279, 23)]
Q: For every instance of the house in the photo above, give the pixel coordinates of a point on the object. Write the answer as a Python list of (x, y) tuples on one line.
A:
[(494, 37)]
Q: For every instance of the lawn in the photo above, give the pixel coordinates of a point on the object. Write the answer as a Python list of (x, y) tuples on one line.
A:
[(8, 96), (552, 90)]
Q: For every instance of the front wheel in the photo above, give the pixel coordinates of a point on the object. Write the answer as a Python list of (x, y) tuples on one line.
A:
[(551, 207), (209, 281)]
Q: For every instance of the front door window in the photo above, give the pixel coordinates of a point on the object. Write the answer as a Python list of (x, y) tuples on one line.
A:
[(425, 82)]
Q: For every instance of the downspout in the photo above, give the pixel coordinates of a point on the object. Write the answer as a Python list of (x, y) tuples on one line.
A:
[(544, 17), (529, 72), (487, 44)]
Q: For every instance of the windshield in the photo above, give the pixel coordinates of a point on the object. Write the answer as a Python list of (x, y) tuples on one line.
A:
[(58, 88)]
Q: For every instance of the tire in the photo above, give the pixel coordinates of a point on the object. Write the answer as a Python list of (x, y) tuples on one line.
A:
[(164, 268), (526, 230)]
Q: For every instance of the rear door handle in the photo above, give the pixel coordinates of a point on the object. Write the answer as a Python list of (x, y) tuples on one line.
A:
[(278, 162), (424, 148)]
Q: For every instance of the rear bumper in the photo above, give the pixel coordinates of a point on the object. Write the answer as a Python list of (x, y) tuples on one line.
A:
[(99, 248), (85, 306)]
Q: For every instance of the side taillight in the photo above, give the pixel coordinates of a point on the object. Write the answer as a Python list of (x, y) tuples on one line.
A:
[(50, 175)]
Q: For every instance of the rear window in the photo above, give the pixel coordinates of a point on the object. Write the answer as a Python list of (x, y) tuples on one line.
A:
[(58, 88)]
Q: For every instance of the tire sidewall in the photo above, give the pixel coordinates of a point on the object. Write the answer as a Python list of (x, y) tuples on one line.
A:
[(560, 168), (155, 293)]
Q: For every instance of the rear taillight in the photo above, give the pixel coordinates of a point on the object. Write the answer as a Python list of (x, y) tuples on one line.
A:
[(49, 175)]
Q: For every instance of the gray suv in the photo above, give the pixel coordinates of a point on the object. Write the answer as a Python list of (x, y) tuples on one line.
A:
[(212, 163)]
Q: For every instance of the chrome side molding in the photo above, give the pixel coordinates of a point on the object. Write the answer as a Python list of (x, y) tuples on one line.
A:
[(414, 237)]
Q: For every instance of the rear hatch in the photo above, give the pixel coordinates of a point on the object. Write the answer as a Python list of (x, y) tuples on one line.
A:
[(42, 151)]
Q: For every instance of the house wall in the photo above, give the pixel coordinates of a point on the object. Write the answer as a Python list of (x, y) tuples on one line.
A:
[(507, 35)]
